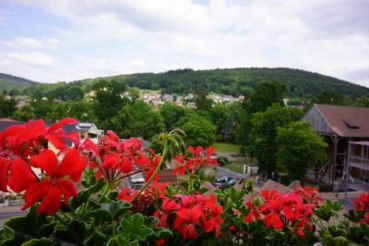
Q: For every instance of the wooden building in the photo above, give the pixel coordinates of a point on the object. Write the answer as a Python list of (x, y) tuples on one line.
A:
[(339, 125), (356, 172)]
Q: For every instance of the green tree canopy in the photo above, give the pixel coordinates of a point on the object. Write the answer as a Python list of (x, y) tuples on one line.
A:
[(199, 130), (202, 102), (24, 113), (7, 106), (362, 102), (108, 101), (171, 114), (137, 119), (299, 148), (263, 136), (264, 96), (330, 97)]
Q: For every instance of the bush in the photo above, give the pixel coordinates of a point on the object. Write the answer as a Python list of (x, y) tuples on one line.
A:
[(222, 160)]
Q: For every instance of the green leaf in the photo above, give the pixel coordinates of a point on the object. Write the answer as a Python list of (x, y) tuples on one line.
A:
[(75, 232), (116, 208), (83, 196), (80, 199), (40, 242), (101, 215), (160, 232), (21, 229), (134, 227)]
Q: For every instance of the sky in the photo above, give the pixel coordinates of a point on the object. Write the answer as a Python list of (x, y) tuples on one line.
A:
[(65, 40)]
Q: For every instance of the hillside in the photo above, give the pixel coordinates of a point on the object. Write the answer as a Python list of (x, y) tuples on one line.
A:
[(235, 81), (9, 82), (238, 81)]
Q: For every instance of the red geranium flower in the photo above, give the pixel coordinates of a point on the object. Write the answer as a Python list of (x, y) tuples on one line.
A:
[(58, 180), (127, 194), (186, 222), (21, 176)]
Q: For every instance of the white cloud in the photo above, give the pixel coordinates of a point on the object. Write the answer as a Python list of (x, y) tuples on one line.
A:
[(38, 59), (32, 43), (124, 36)]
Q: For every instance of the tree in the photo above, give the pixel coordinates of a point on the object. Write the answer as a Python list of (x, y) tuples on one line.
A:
[(264, 96), (24, 113), (42, 107), (7, 106), (78, 109), (202, 102), (171, 114), (362, 102), (263, 136), (108, 101), (225, 117), (330, 97), (199, 130), (299, 148), (134, 93), (74, 92), (138, 119)]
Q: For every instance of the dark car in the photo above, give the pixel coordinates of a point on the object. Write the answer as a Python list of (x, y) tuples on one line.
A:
[(224, 182)]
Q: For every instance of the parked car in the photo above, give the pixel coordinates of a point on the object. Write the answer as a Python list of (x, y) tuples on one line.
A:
[(225, 182)]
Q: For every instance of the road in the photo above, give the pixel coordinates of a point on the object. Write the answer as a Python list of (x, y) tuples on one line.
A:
[(221, 171)]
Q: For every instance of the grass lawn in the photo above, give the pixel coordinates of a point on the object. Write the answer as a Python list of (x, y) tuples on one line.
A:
[(235, 167), (227, 147)]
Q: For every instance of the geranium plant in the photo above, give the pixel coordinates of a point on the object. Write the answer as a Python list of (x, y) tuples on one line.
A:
[(79, 195)]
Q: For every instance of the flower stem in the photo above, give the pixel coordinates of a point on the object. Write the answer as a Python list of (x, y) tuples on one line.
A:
[(162, 161)]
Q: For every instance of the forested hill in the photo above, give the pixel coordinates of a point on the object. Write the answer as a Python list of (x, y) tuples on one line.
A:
[(239, 81), (235, 81), (10, 82)]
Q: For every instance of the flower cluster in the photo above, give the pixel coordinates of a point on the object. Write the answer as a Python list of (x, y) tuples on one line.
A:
[(198, 158), (287, 210), (191, 213), (114, 158), (25, 149), (186, 214), (362, 204)]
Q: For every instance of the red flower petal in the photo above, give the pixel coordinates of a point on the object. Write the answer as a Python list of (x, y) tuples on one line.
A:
[(57, 141), (191, 149), (199, 149), (21, 176), (4, 170), (209, 225), (47, 161), (73, 165), (126, 165), (58, 125), (34, 130), (111, 161), (51, 202), (209, 151), (68, 189), (35, 192)]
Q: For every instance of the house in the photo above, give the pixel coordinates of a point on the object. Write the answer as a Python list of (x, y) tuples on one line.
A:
[(89, 130), (356, 173), (189, 97), (179, 102), (191, 105), (342, 127), (167, 98)]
